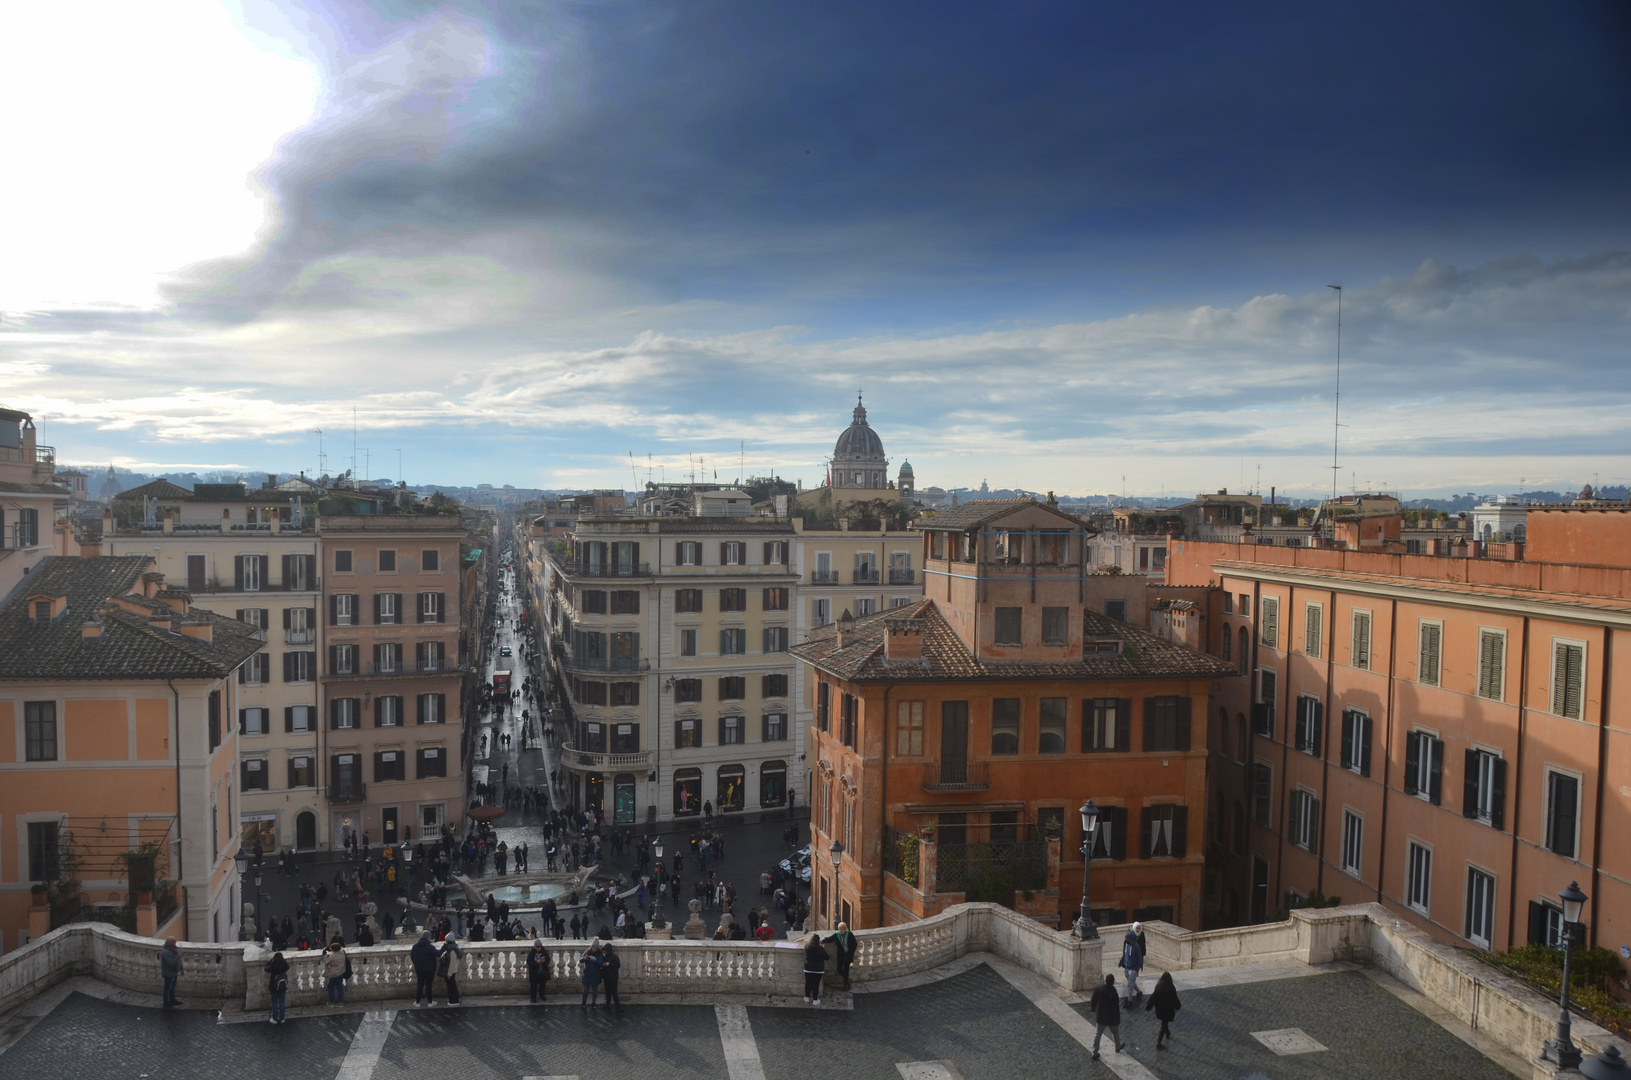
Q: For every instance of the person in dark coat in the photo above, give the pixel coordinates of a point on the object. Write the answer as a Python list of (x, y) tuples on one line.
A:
[(845, 946), (171, 968), (590, 961), (815, 968), (1164, 1000), (277, 984), (1132, 961), (538, 971), (610, 964), (1106, 1006), (424, 969)]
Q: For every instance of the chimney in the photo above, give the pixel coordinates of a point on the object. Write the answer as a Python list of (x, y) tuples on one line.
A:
[(271, 481), (903, 640), (226, 521), (90, 629), (169, 521), (158, 621), (846, 629), (107, 522), (277, 522), (202, 629)]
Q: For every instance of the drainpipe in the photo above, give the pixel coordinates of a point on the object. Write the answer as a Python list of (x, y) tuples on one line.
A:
[(1387, 758), (1517, 778), (1602, 779), (883, 800), (1325, 736), (186, 898)]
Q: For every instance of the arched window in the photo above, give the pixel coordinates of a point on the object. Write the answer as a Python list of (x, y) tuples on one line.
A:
[(1243, 738), (1228, 650), (1245, 650)]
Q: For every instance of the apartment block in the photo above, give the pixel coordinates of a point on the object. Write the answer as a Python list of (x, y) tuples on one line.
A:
[(30, 501)]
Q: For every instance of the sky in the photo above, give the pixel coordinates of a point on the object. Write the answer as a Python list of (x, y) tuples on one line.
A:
[(1061, 246)]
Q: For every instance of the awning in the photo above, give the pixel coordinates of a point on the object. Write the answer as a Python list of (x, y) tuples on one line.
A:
[(927, 809)]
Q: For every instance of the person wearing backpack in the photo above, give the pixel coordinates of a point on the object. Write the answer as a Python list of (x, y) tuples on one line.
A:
[(538, 971), (277, 972), (1164, 1000), (610, 964)]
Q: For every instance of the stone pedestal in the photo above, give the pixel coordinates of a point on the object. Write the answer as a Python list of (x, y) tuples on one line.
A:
[(695, 928), (39, 922)]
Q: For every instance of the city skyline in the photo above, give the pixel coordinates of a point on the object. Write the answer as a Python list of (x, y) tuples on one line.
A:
[(1054, 248)]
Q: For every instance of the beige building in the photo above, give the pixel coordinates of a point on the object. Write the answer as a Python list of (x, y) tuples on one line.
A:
[(670, 639), (393, 679), (251, 556), (29, 501)]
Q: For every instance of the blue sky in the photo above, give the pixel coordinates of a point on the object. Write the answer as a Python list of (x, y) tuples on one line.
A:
[(1056, 244)]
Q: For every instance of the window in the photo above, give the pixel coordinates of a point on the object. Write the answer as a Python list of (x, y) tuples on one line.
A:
[(1353, 841), (432, 763), (820, 612), (430, 607), (688, 600), (909, 729), (1313, 627), (1164, 831), (256, 616), (342, 713), (342, 609), (300, 772), (298, 622), (775, 599), (1568, 663), (732, 688), (1423, 765), (1008, 623), (733, 641), (733, 599), (1491, 664), (1480, 907), (863, 605), (42, 850), (1429, 640), (687, 690), (387, 562), (1302, 819), (625, 693), (823, 706), (251, 571), (1111, 839), (1051, 727), (1356, 738), (733, 553), (687, 792), (1005, 726), (1270, 622), (625, 649), (773, 727), (688, 641), (1055, 626), (430, 559), (1246, 604), (387, 609), (773, 783), (775, 639), (687, 733), (299, 718), (1484, 788), (688, 553), (625, 602), (1166, 723), (849, 708), (1562, 813), (590, 693), (1419, 869), (773, 686), (1106, 725), (256, 670), (40, 730), (1262, 794), (1263, 711), (730, 730), (389, 765), (214, 710), (28, 527), (42, 611), (252, 721), (592, 601), (432, 708), (1228, 603), (1245, 655), (775, 552), (342, 562), (1310, 722), (594, 738), (1116, 609), (431, 655), (625, 738), (387, 657), (1359, 650)]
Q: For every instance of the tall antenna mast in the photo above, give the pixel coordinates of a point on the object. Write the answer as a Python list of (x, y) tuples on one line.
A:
[(399, 477), (353, 447), (322, 459), (1336, 413)]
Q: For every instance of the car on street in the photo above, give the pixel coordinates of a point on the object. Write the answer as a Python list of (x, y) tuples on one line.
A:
[(801, 859), (505, 651)]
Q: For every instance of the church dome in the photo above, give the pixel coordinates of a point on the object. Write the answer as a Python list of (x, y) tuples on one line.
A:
[(858, 440)]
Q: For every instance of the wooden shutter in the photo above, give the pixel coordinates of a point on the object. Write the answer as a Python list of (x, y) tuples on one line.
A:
[(1294, 815), (1145, 831), (1497, 804), (1118, 835), (379, 766), (1469, 784), (1313, 825), (1537, 923), (377, 604), (311, 622), (1184, 723), (334, 610), (441, 607), (1316, 726), (288, 667), (420, 702), (1149, 735), (1180, 830), (238, 572), (1490, 681), (1431, 643), (1435, 767), (1412, 762), (1362, 725), (1348, 755), (288, 571), (288, 720), (1124, 725), (1566, 684)]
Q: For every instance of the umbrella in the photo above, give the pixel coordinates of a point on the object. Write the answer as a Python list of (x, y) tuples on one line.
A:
[(486, 813)]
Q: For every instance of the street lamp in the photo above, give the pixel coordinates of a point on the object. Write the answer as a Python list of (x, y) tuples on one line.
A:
[(1608, 1065), (1085, 929), (657, 852), (243, 859), (1560, 1048), (837, 853)]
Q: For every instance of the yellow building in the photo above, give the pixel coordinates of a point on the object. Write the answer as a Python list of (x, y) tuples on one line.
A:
[(30, 501)]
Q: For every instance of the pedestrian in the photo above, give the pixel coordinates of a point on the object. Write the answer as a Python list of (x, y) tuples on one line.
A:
[(1164, 1000), (449, 965), (815, 968), (1106, 1007), (576, 923), (277, 972), (538, 971), (1132, 961), (423, 954), (171, 968), (334, 965), (590, 962), (845, 946), (610, 962)]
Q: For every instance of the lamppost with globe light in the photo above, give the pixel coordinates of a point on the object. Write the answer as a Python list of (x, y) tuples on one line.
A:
[(837, 853), (657, 906), (243, 859), (1084, 928), (1560, 1048)]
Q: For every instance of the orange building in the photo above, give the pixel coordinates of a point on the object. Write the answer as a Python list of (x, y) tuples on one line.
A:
[(1438, 734), (955, 738), (117, 741)]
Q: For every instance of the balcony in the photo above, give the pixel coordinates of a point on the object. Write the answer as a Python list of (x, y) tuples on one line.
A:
[(299, 637), (605, 570), (956, 776), (588, 761), (604, 663), (405, 667), (866, 575), (347, 791), (824, 577), (898, 576)]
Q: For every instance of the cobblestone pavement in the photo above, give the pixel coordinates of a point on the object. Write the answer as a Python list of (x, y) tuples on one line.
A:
[(981, 1023)]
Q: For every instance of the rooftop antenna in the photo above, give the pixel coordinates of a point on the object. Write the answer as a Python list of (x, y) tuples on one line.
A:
[(741, 460), (1336, 407), (634, 471), (399, 477), (353, 447), (322, 458)]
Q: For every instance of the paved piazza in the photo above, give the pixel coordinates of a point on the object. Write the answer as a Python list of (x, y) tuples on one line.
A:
[(979, 1018)]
